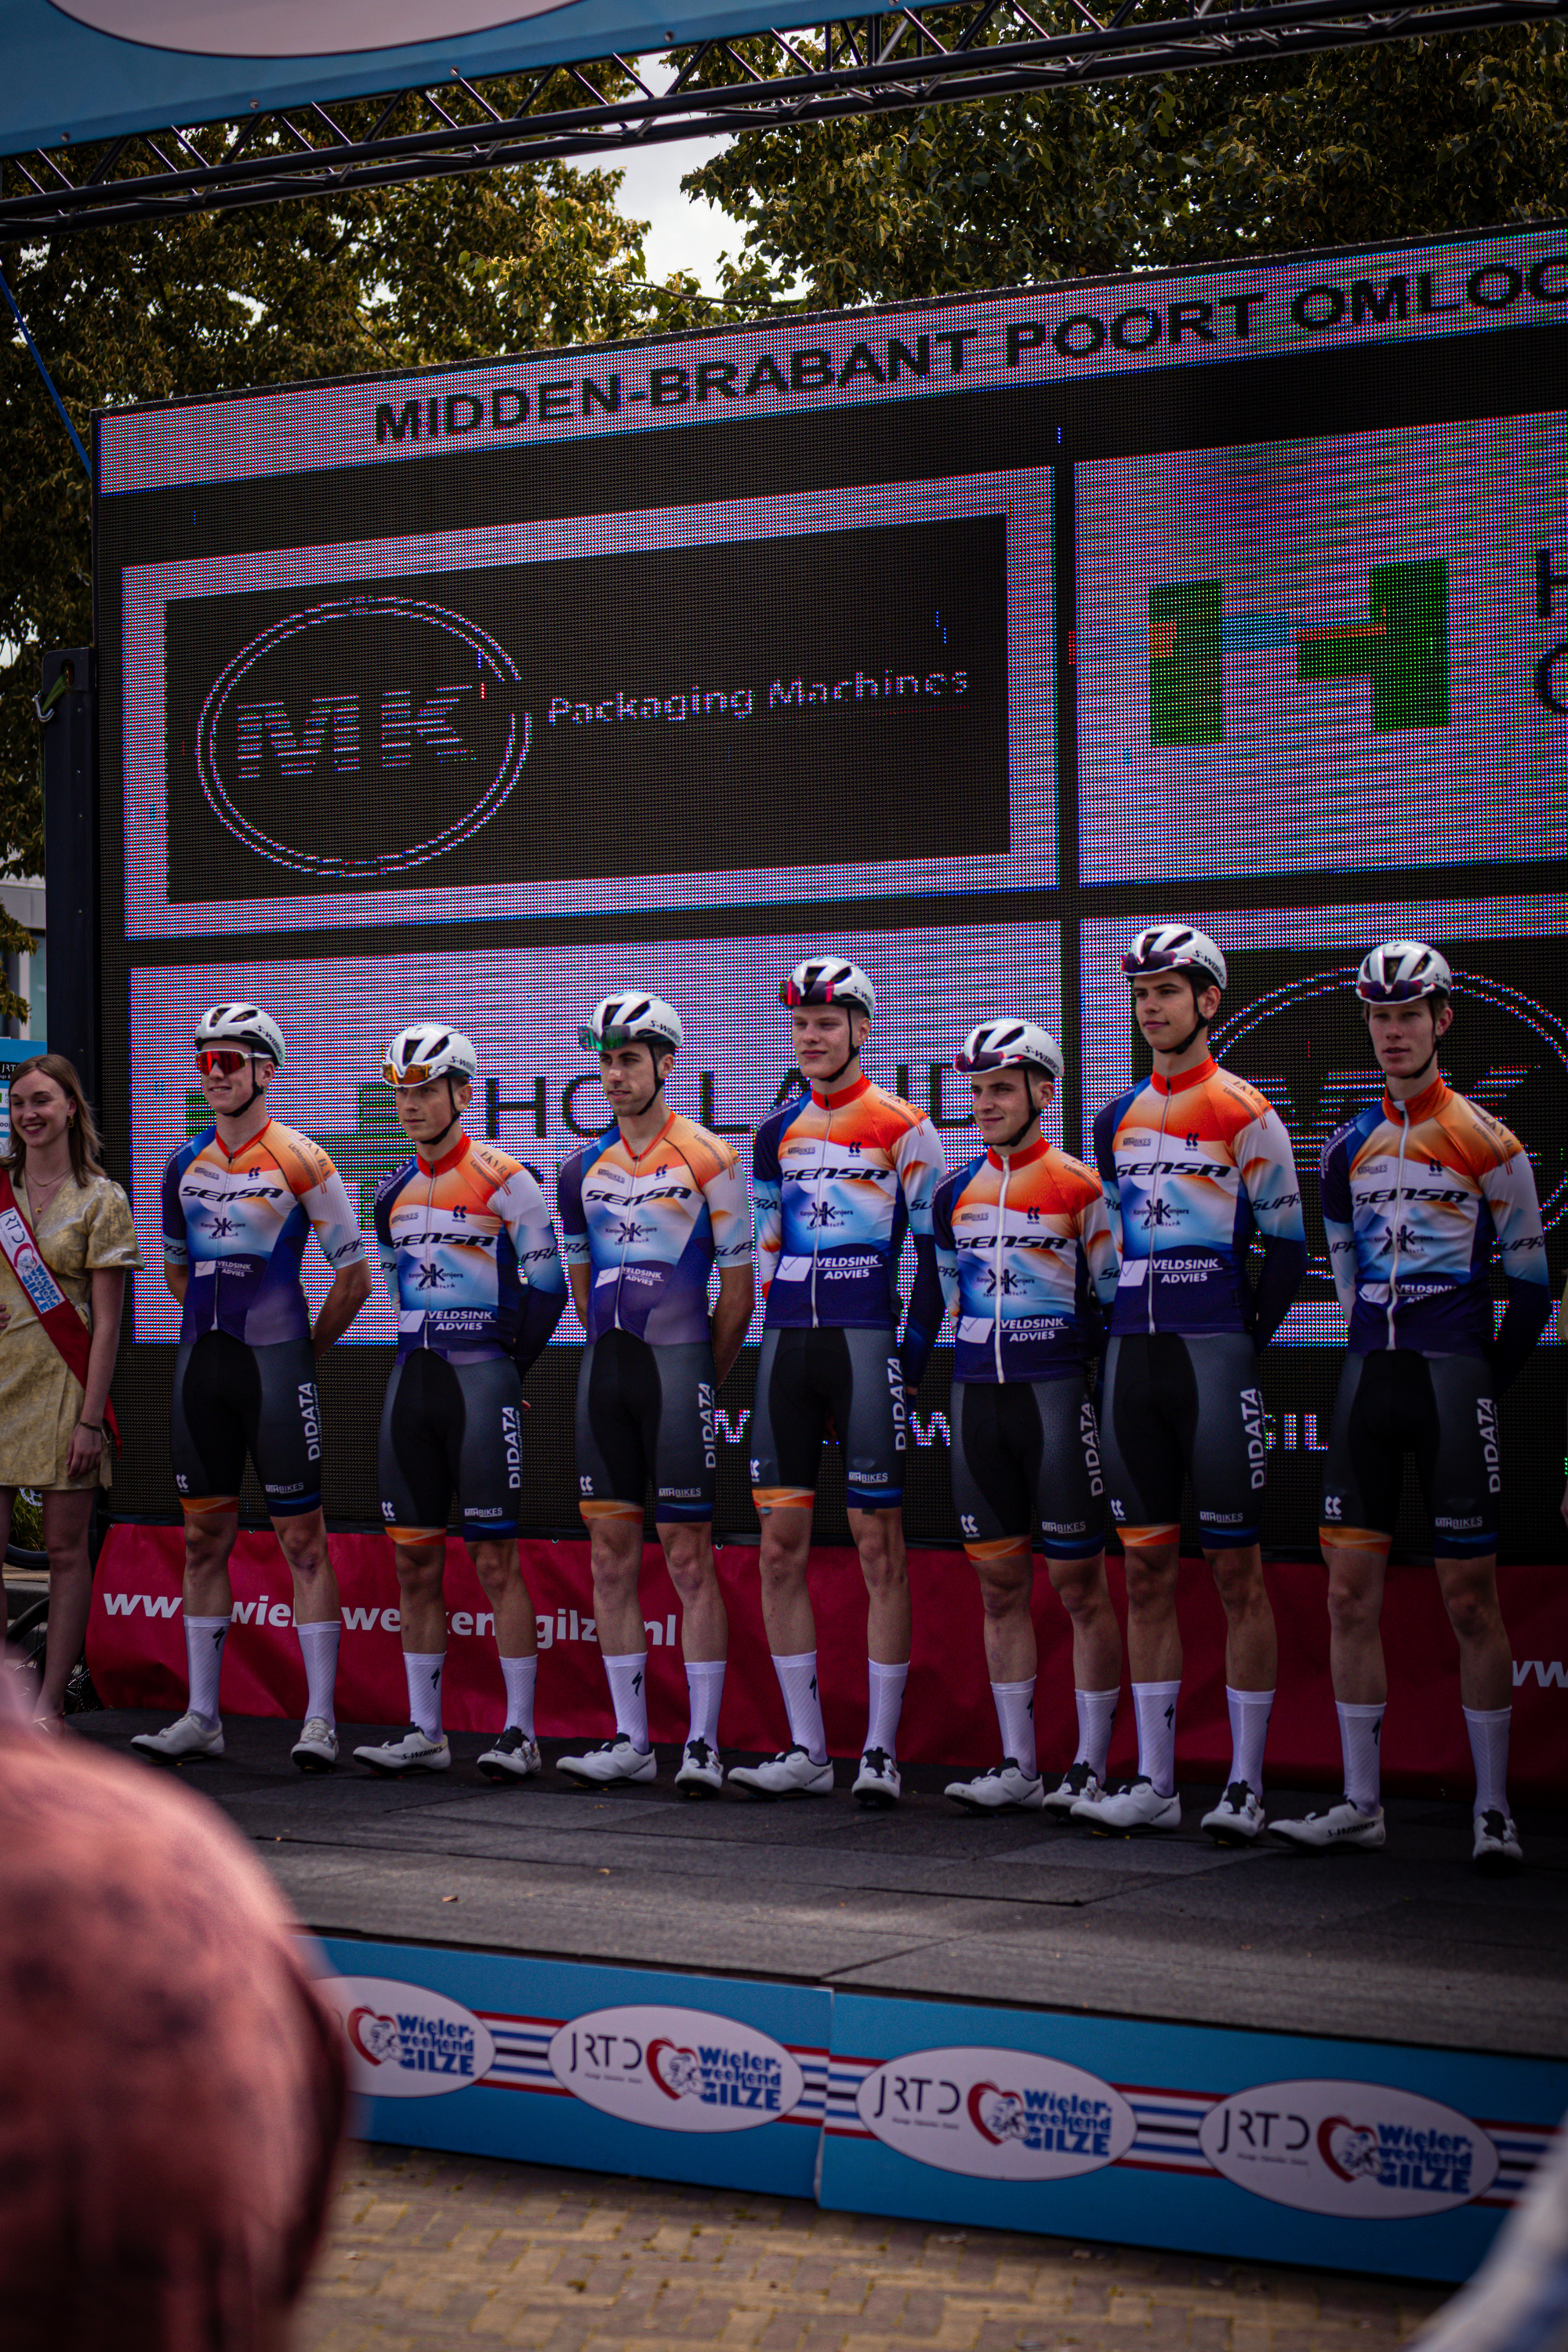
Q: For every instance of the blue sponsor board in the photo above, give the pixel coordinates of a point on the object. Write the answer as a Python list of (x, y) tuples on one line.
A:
[(1276, 2147), (616, 2070)]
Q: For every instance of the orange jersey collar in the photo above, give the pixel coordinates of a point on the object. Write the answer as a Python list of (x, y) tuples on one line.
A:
[(1426, 1105), (1185, 1080), (1024, 1158), (249, 1145), (837, 1101), (453, 1159)]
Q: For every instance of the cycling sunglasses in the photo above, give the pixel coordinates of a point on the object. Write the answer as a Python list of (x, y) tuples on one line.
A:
[(221, 1061), (416, 1073)]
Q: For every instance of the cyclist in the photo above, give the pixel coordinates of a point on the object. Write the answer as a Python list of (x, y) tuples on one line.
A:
[(647, 1212), (1417, 1193), (240, 1200), (1195, 1163), (1023, 1250), (470, 1258), (839, 1176)]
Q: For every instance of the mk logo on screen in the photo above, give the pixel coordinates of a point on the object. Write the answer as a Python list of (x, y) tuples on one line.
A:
[(1401, 648)]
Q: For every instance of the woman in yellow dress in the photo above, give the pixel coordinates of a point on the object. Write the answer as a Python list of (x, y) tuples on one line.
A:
[(51, 1429)]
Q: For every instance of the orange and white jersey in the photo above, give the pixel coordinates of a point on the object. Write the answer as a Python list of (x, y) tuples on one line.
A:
[(651, 1226), (1023, 1251), (240, 1222), (470, 1254), (837, 1180)]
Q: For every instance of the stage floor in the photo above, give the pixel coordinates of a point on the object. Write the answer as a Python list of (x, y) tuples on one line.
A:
[(924, 1902)]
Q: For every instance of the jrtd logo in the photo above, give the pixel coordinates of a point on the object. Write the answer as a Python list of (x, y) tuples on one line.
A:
[(367, 702), (1360, 2149)]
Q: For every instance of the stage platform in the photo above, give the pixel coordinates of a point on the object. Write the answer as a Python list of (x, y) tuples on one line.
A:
[(1392, 1999)]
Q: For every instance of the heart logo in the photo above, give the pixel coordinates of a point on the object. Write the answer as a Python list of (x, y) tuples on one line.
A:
[(1358, 2149), (676, 2071), (375, 2038), (1006, 2106)]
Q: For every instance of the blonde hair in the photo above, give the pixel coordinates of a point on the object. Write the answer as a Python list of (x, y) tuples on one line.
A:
[(85, 1143)]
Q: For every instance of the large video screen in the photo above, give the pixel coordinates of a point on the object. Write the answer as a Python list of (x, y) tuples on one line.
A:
[(964, 641)]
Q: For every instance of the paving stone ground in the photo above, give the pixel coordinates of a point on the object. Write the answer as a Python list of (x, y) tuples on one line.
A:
[(429, 2251)]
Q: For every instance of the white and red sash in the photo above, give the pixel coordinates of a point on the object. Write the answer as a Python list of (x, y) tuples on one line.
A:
[(54, 1310)]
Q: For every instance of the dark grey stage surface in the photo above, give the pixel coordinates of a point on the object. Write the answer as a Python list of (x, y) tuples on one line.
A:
[(1408, 1945)]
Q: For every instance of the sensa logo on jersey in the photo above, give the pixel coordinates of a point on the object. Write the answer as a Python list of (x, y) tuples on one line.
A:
[(999, 2115), (358, 700), (404, 2043), (682, 2070), (1359, 2151)]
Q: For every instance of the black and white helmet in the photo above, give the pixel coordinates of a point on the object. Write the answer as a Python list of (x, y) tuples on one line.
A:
[(1401, 972), (1010, 1045), (828, 980), (1175, 946), (630, 1018), (426, 1050), (245, 1026)]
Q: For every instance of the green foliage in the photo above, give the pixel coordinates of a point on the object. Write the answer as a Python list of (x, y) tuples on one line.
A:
[(444, 270)]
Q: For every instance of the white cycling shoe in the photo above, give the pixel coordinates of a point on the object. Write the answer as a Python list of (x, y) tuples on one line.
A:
[(1080, 1785), (1342, 1824), (611, 1764), (790, 1773), (1003, 1790), (700, 1774), (181, 1741), (414, 1752), (1237, 1819), (513, 1757), (1497, 1853), (316, 1750), (878, 1781), (1130, 1810)]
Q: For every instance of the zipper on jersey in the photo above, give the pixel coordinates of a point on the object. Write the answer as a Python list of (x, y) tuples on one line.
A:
[(429, 1218), (1154, 1204), (1398, 1209), (631, 1215), (816, 1229), (997, 1261)]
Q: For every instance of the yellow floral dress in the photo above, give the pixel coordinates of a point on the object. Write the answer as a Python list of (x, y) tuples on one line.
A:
[(85, 1228)]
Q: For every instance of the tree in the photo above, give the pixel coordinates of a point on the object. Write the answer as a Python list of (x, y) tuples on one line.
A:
[(441, 272), (1414, 138)]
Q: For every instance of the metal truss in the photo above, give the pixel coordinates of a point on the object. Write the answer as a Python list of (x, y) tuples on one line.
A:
[(865, 67)]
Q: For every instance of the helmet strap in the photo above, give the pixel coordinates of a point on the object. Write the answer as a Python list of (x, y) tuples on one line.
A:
[(256, 1093), (641, 1111), (852, 1055)]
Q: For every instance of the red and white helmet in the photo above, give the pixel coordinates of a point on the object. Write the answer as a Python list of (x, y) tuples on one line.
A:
[(828, 980), (1010, 1045), (1175, 947), (1401, 972)]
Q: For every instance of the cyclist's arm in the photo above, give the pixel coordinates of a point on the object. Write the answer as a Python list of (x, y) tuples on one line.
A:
[(177, 1280), (921, 1169), (935, 1292), (336, 1227), (1510, 1192), (177, 1243), (1098, 1244), (575, 1253), (732, 1314), (350, 1288), (1339, 1221), (1103, 1136), (767, 1205), (1267, 1168), (521, 1204)]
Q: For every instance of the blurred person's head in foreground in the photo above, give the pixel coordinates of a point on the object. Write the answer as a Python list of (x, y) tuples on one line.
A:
[(171, 2092)]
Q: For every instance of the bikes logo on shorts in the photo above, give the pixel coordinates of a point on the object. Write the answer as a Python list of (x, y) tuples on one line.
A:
[(999, 2115), (1355, 2149), (404, 2043), (396, 704), (683, 2070)]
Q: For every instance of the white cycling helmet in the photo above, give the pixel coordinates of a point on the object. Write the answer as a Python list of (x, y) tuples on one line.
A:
[(828, 980), (629, 1018), (426, 1050), (1175, 946), (1010, 1045), (242, 1025), (1401, 972)]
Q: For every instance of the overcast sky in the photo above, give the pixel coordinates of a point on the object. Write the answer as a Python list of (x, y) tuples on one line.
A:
[(682, 235)]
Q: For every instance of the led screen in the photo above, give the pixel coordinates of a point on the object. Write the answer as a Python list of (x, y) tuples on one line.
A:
[(964, 641)]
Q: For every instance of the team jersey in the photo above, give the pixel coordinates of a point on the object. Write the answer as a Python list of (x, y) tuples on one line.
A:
[(469, 1255), (1024, 1249), (651, 1226), (1417, 1196), (837, 1181), (240, 1222), (1194, 1167)]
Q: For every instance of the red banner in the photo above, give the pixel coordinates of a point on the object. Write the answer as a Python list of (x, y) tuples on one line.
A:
[(136, 1652)]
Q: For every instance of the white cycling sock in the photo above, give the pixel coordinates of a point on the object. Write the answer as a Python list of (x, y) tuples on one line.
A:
[(1014, 1705), (705, 1690), (1096, 1715), (519, 1675), (204, 1638), (886, 1703), (1249, 1712), (1360, 1740), (1155, 1707), (319, 1648), (423, 1668), (629, 1694), (1488, 1727), (803, 1703)]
